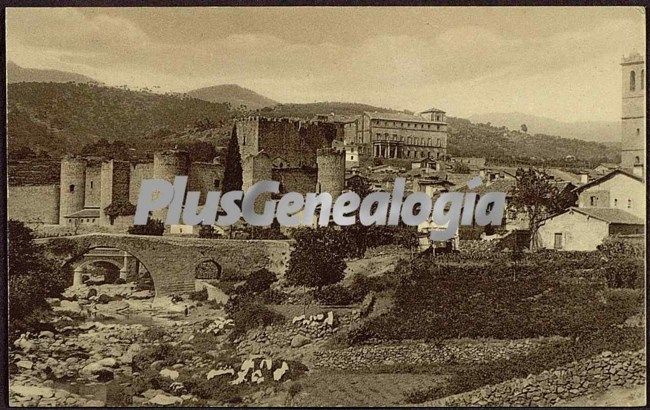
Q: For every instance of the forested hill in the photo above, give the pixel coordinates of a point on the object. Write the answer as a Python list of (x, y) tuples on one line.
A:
[(61, 118), (501, 145)]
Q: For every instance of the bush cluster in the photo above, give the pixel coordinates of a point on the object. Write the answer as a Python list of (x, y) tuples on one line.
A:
[(498, 300), (249, 312), (153, 227)]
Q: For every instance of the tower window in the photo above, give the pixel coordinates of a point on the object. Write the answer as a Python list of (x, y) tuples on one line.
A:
[(637, 160), (592, 201), (71, 188), (638, 132), (615, 202), (629, 203), (91, 184), (632, 80), (642, 78)]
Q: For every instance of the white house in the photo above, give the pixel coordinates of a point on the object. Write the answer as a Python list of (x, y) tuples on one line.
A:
[(583, 229), (617, 189)]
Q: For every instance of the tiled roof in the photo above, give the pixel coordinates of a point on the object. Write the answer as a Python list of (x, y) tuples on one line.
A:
[(398, 116), (611, 215), (606, 177), (85, 213), (432, 110)]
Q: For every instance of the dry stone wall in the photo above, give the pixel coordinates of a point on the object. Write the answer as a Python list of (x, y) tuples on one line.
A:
[(587, 376)]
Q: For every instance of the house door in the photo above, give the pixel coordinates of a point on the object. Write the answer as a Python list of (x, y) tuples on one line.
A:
[(558, 241)]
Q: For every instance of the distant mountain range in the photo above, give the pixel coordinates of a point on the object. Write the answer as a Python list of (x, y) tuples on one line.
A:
[(234, 95), (18, 74), (607, 132)]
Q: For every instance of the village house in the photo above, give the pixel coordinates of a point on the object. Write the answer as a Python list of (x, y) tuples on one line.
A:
[(583, 229), (612, 204)]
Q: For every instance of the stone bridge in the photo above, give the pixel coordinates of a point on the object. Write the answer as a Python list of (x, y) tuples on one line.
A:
[(172, 261)]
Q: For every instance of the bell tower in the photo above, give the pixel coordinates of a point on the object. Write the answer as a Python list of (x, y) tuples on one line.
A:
[(633, 129)]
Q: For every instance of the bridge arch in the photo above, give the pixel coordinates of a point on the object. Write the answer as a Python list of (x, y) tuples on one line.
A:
[(172, 261)]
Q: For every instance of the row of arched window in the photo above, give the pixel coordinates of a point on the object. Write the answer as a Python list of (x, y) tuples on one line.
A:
[(410, 140), (633, 80)]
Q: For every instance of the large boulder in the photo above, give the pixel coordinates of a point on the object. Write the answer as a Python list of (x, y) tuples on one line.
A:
[(165, 400), (299, 341)]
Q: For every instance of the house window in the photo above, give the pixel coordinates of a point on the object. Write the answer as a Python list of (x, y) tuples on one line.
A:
[(592, 200), (637, 160), (71, 188), (615, 202), (629, 203), (632, 81), (557, 244)]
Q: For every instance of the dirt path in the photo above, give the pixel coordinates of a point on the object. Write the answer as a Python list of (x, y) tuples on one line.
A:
[(616, 397), (325, 388)]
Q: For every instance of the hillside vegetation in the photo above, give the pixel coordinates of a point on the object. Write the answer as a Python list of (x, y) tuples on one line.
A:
[(234, 95), (62, 118)]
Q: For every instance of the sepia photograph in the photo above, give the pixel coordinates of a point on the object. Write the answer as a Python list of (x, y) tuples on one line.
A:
[(310, 206)]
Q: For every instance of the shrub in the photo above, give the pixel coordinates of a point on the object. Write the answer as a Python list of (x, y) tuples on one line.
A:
[(335, 295), (623, 272), (165, 352), (153, 227), (249, 313), (207, 231), (213, 389), (201, 295), (259, 281)]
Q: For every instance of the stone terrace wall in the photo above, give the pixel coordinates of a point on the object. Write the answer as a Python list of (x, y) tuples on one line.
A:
[(421, 353), (587, 376)]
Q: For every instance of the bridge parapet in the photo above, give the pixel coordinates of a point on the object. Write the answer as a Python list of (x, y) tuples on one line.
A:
[(172, 261)]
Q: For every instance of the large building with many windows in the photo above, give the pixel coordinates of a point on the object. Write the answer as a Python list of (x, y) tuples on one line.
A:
[(402, 135)]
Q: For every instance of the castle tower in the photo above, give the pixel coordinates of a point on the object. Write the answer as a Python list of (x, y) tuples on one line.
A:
[(115, 178), (331, 171), (256, 168), (167, 165), (72, 189), (633, 113)]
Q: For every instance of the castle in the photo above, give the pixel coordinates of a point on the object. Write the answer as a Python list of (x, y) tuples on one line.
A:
[(297, 154), (633, 135), (88, 185)]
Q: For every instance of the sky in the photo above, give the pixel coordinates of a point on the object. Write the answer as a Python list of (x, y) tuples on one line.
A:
[(556, 62)]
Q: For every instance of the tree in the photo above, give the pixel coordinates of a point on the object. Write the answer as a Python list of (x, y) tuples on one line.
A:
[(315, 260), (536, 194), (119, 208), (154, 227), (524, 128), (460, 168), (232, 173), (32, 276)]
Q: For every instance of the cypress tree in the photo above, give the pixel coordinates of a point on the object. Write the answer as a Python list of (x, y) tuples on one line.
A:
[(232, 173)]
